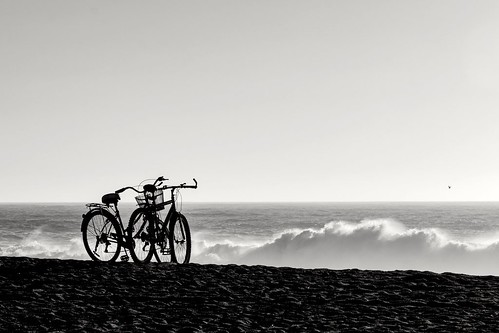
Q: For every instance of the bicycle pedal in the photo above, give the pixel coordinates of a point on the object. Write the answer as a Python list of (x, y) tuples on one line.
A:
[(125, 258)]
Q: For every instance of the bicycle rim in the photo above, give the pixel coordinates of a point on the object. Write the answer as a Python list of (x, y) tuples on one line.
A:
[(180, 240), (101, 237)]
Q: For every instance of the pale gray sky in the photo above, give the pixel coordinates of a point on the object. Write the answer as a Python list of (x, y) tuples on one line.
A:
[(259, 100)]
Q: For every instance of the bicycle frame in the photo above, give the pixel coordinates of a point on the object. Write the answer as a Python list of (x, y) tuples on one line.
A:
[(172, 212), (152, 208)]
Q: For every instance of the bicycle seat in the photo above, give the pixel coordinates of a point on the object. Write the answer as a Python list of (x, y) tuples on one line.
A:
[(110, 198)]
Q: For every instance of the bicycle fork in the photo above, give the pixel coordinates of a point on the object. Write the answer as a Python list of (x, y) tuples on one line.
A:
[(182, 233)]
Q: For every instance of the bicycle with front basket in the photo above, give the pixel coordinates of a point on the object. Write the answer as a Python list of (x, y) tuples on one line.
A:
[(168, 239), (147, 234)]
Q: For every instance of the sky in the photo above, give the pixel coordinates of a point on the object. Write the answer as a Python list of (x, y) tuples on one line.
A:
[(276, 100)]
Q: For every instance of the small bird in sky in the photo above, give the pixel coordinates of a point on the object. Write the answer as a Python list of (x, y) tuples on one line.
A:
[(449, 186)]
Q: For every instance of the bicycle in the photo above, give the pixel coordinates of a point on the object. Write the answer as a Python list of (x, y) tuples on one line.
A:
[(105, 227), (102, 224), (168, 240)]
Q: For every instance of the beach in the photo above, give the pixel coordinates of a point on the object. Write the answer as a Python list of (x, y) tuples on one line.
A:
[(78, 295)]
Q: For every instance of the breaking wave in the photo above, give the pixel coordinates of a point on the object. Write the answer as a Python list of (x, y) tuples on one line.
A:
[(371, 244), (381, 244), (42, 244)]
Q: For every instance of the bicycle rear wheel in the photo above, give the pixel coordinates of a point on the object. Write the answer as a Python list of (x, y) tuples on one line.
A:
[(140, 237), (162, 251), (180, 240), (101, 235)]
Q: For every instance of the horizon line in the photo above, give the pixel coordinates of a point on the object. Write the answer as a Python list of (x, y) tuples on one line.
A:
[(270, 202)]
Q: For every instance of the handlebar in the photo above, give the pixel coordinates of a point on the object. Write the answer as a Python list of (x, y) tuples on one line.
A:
[(158, 182), (127, 188), (183, 185)]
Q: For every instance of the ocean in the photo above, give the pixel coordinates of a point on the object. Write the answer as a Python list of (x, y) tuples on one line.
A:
[(440, 237)]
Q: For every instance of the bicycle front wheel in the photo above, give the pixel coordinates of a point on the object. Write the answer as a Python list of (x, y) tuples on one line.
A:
[(140, 236), (101, 235), (180, 240)]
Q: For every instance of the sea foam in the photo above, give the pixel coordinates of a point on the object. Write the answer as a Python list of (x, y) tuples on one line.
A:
[(381, 244), (41, 244)]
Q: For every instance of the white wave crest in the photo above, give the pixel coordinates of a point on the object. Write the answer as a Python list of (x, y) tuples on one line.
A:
[(41, 244), (370, 244)]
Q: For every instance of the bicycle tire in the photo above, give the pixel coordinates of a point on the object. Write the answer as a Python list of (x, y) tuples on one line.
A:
[(162, 251), (102, 226), (139, 237), (180, 240)]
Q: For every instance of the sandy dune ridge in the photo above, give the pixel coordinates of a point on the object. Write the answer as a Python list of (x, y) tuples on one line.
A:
[(71, 295)]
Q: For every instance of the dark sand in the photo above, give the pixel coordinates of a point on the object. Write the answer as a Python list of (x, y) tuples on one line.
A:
[(69, 295)]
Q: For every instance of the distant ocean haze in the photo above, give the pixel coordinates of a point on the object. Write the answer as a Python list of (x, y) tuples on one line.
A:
[(456, 237)]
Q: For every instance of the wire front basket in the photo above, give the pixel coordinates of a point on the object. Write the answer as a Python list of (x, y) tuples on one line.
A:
[(150, 199)]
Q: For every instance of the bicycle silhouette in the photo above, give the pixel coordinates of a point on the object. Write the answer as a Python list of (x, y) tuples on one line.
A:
[(147, 234)]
